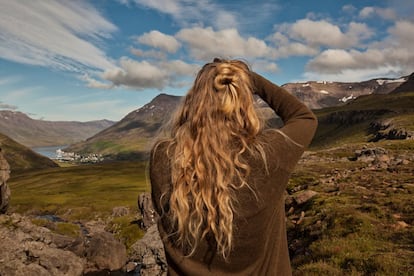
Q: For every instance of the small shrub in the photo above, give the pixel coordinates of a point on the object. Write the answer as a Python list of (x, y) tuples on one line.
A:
[(63, 228), (67, 229), (7, 222), (126, 229), (318, 268), (42, 222)]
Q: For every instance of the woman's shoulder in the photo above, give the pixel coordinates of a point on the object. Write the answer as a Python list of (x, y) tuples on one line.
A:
[(161, 144), (160, 148), (280, 148)]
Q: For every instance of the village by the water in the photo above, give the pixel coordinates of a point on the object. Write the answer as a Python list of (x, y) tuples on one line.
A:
[(63, 156)]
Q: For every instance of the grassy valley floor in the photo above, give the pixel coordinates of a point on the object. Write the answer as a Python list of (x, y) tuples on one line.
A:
[(84, 191)]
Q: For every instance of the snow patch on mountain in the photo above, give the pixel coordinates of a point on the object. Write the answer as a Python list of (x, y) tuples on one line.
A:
[(382, 81)]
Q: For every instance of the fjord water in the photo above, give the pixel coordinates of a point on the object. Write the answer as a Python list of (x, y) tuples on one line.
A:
[(49, 151)]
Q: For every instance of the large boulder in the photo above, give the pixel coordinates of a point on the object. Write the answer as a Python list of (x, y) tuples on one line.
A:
[(385, 129), (148, 214), (147, 256), (303, 197), (148, 253), (104, 252), (4, 189)]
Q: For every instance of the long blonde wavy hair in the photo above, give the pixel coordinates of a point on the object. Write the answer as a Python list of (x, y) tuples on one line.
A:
[(216, 124)]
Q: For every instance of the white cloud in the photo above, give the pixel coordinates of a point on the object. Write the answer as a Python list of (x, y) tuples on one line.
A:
[(93, 83), (7, 106), (392, 56), (367, 12), (355, 75), (149, 54), (137, 74), (179, 67), (306, 37), (317, 32), (349, 9), (205, 44), (142, 74), (403, 32), (223, 19), (159, 40), (172, 7), (284, 47), (336, 60), (62, 35), (193, 13), (324, 33), (265, 66), (358, 32), (384, 13)]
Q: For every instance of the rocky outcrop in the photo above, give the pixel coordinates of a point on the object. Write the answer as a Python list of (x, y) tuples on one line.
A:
[(28, 249), (377, 157), (385, 129), (148, 214), (147, 256), (4, 188)]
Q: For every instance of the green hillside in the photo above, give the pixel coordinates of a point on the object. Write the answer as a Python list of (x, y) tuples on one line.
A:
[(133, 136), (351, 122), (22, 158)]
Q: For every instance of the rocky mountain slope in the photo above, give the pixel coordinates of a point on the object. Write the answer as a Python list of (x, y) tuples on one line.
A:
[(132, 136), (408, 85), (320, 94), (21, 158), (38, 133)]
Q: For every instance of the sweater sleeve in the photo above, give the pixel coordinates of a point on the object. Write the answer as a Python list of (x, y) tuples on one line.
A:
[(159, 173), (299, 121)]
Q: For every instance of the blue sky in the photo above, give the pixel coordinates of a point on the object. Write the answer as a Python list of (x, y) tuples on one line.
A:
[(91, 60)]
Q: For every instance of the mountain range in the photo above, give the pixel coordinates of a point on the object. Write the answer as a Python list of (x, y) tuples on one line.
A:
[(138, 130), (339, 105), (134, 134), (39, 133), (320, 94)]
